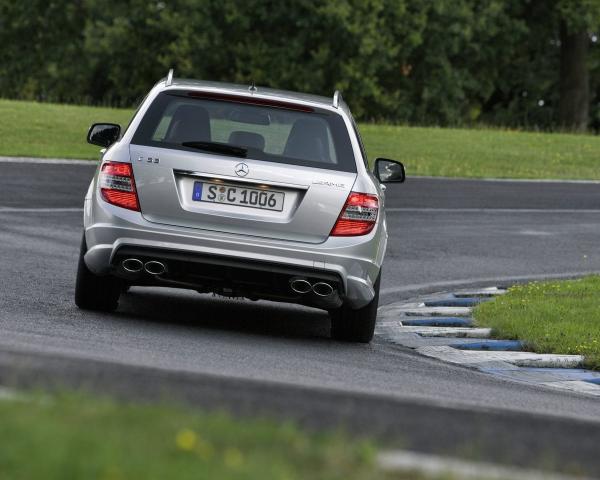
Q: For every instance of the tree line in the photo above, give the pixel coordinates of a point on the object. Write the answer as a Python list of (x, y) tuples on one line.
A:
[(515, 63)]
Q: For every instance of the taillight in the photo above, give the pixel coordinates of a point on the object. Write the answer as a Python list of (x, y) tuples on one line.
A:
[(358, 216), (117, 185)]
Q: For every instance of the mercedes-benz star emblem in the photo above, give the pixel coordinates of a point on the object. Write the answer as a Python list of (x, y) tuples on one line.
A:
[(241, 169)]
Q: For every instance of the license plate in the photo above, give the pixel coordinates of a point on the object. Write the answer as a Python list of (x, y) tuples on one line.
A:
[(265, 199)]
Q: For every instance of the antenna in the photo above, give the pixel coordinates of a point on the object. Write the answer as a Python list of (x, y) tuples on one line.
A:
[(337, 98), (169, 78), (252, 88)]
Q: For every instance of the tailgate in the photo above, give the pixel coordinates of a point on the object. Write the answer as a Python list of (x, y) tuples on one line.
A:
[(203, 191)]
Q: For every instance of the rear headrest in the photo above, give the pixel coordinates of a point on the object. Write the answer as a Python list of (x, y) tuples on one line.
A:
[(308, 140), (247, 139), (190, 123)]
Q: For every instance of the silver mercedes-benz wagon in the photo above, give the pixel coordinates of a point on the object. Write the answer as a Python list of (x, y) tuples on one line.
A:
[(242, 192)]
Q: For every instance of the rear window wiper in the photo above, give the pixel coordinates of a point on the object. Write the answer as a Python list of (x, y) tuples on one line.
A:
[(216, 147)]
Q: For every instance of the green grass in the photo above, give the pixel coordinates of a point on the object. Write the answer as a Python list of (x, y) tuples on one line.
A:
[(481, 153), (551, 317), (49, 130), (78, 436)]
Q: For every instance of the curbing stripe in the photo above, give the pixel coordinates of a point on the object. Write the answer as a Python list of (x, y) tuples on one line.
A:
[(494, 366), (422, 311), (482, 292), (405, 461), (452, 332), (520, 359), (414, 340), (456, 302), (386, 323), (543, 375), (437, 322), (579, 386), (401, 306), (492, 345)]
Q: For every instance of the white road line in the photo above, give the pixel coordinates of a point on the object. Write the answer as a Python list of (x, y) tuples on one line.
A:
[(506, 180), (404, 461), (39, 210), (475, 281), (489, 210), (50, 161)]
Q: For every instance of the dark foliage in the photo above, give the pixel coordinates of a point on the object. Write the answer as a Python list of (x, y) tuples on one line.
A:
[(440, 62)]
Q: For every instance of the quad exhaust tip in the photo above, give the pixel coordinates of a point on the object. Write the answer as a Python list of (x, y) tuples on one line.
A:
[(132, 265), (303, 286), (154, 267), (135, 265), (300, 285), (322, 289)]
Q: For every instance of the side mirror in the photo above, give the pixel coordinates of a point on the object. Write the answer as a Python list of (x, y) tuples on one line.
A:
[(389, 171), (103, 134)]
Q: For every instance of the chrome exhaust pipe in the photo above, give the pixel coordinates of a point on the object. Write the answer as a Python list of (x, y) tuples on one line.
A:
[(322, 289), (154, 267), (300, 285), (132, 265)]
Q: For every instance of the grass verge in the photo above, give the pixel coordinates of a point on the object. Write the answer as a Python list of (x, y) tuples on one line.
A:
[(551, 317), (78, 436), (31, 129), (486, 153), (50, 130)]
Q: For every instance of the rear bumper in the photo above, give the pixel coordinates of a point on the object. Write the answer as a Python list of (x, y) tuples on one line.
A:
[(225, 275), (354, 261)]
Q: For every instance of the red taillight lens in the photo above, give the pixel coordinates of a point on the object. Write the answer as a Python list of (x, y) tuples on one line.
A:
[(358, 216), (117, 185)]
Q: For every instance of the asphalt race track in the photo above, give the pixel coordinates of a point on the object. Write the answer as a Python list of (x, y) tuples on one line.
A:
[(260, 357)]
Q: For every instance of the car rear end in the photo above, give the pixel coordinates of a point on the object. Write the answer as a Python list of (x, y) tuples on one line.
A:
[(239, 193)]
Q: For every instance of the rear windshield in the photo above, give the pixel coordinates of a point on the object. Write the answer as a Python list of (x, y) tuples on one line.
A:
[(314, 138)]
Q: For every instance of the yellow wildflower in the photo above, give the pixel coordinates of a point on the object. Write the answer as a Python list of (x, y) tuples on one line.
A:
[(186, 440)]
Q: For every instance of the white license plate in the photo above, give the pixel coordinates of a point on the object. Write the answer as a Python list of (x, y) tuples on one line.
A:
[(265, 199)]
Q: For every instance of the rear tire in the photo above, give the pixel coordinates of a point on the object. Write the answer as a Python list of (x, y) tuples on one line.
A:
[(95, 292), (356, 325)]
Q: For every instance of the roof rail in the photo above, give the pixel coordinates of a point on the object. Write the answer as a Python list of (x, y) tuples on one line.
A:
[(337, 98), (169, 78)]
